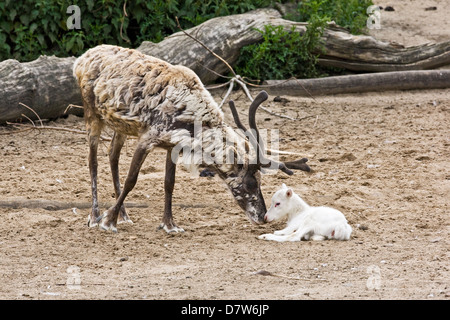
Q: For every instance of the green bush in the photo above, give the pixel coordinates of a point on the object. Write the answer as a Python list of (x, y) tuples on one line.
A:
[(282, 53), (350, 14), (30, 28)]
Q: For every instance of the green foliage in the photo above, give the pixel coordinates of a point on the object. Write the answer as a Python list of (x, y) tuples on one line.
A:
[(350, 14), (283, 53), (30, 28)]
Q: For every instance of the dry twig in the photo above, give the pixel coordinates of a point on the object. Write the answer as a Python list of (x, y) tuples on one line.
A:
[(23, 104), (123, 20), (204, 46), (72, 106), (42, 127)]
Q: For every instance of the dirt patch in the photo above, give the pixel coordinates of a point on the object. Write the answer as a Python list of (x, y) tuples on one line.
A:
[(382, 159)]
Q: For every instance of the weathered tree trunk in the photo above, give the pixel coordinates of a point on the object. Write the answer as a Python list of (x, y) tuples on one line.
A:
[(364, 53), (223, 35), (227, 35), (47, 84)]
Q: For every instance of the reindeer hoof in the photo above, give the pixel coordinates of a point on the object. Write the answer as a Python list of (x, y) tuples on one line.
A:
[(124, 219), (123, 216), (172, 229), (91, 223), (105, 224)]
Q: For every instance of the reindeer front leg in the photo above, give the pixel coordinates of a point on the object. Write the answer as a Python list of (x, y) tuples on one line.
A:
[(94, 128), (93, 165), (169, 182)]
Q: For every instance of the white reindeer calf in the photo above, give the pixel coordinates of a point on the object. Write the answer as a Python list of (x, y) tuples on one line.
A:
[(304, 221)]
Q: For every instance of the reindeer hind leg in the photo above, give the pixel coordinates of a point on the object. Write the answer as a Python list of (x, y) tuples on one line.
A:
[(108, 221), (117, 143), (169, 182)]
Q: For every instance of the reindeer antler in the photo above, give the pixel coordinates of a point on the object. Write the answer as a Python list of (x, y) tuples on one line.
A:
[(260, 98), (257, 142), (236, 118)]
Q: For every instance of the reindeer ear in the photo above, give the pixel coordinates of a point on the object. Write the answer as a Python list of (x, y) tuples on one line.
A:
[(283, 186), (289, 193)]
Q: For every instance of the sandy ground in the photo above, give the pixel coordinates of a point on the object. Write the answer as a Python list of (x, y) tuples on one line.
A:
[(380, 158)]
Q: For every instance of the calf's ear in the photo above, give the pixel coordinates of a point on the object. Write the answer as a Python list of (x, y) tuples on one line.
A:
[(289, 193)]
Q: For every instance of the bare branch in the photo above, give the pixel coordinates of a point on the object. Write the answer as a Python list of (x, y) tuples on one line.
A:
[(204, 46), (32, 122), (42, 127), (123, 20), (247, 92), (212, 71), (218, 85), (228, 92), (72, 106), (33, 112)]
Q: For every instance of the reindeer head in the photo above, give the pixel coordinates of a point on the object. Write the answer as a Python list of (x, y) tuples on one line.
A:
[(245, 185), (245, 179)]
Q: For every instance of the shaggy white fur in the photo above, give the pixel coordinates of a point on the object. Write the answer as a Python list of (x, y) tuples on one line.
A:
[(304, 222)]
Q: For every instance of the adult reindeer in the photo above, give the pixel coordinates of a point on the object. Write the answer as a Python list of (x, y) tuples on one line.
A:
[(139, 95)]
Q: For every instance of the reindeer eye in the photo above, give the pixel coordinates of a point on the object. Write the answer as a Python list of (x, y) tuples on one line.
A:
[(277, 204), (250, 184)]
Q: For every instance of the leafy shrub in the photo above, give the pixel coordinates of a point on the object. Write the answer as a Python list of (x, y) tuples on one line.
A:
[(30, 28), (350, 14), (283, 53)]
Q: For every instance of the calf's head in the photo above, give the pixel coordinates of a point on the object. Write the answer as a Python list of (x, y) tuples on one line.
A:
[(281, 204)]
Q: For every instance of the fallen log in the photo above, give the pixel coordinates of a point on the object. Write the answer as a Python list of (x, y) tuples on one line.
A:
[(47, 86), (227, 35), (369, 55), (382, 81)]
